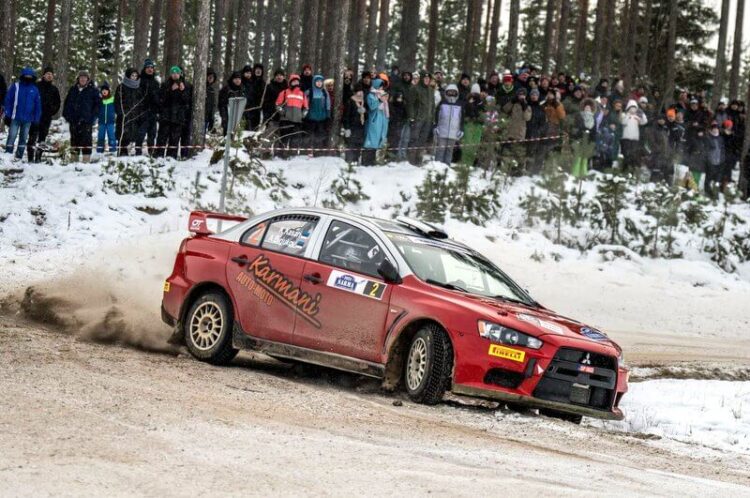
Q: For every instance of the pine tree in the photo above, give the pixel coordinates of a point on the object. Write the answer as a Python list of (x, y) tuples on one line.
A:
[(611, 197), (432, 197)]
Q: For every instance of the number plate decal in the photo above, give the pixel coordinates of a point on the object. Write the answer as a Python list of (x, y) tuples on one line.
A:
[(356, 284)]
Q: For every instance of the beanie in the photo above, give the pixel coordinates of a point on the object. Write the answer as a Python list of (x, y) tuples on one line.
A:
[(148, 63), (507, 78), (475, 88), (175, 69)]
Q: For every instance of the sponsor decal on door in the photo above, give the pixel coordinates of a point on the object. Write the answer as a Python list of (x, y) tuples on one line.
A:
[(356, 284)]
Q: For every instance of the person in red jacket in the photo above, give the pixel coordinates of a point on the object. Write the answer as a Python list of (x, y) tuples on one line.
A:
[(292, 107)]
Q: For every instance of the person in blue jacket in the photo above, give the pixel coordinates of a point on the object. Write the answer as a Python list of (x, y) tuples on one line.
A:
[(377, 122), (23, 106), (106, 120), (319, 113), (81, 110)]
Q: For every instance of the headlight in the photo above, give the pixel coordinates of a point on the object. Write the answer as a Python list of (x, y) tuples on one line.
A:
[(505, 335), (621, 361)]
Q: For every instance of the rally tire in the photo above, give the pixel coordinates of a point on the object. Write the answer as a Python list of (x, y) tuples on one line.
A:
[(429, 362), (208, 329)]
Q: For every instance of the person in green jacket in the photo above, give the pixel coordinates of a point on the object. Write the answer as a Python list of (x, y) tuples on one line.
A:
[(421, 112), (106, 120)]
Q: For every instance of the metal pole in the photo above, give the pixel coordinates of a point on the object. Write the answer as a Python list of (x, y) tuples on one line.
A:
[(227, 148)]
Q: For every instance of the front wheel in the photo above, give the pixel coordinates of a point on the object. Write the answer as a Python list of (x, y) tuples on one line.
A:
[(427, 372), (208, 329)]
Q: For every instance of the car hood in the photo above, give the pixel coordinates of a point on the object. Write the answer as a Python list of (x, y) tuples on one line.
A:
[(537, 321)]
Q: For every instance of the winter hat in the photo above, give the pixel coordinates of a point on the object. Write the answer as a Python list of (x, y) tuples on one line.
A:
[(328, 81), (130, 71), (28, 73), (727, 124), (148, 63), (293, 78), (643, 100), (258, 65), (464, 76), (507, 78), (521, 91), (279, 72), (693, 100), (475, 88), (671, 113), (247, 69), (48, 69), (104, 86), (175, 69), (210, 72), (451, 88), (83, 72), (534, 92)]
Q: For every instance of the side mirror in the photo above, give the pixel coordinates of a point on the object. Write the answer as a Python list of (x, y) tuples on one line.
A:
[(389, 272)]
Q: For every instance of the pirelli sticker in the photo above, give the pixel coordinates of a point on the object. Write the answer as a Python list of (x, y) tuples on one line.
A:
[(507, 353), (356, 284)]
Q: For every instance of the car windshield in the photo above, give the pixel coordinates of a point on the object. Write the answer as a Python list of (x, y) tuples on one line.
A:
[(454, 267)]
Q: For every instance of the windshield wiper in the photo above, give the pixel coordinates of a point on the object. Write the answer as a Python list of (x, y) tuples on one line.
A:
[(446, 285), (532, 303)]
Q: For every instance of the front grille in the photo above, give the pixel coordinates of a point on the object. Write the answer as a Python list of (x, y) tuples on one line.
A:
[(504, 378), (580, 378)]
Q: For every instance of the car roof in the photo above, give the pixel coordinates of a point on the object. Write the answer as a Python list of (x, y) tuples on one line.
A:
[(372, 222)]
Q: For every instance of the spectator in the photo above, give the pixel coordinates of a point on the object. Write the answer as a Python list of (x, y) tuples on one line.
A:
[(732, 151), (472, 125), (292, 107), (660, 157), (306, 79), (536, 129), (584, 133), (81, 110), (450, 122), (319, 112), (232, 89), (353, 123), (377, 122), (675, 135), (520, 113), (174, 120), (464, 87), (50, 96), (256, 95), (210, 100), (555, 113), (715, 157), (131, 106), (506, 92), (277, 85), (398, 125), (3, 92), (365, 81), (631, 121), (106, 123), (421, 112), (147, 129), (23, 105)]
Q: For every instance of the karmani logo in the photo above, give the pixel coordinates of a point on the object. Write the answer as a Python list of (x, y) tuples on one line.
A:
[(346, 282)]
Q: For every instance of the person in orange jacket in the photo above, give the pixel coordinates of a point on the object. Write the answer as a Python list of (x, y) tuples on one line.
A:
[(292, 106)]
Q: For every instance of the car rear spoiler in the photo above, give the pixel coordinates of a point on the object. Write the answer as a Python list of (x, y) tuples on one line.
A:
[(198, 223)]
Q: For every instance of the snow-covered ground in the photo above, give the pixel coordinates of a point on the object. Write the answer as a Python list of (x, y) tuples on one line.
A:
[(64, 219)]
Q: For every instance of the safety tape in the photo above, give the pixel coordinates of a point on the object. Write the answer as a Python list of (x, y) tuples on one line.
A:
[(282, 147)]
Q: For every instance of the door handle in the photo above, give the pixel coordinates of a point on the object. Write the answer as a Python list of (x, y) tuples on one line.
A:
[(241, 260), (313, 278)]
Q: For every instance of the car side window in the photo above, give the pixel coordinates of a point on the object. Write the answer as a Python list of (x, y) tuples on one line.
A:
[(350, 248), (253, 236), (289, 234)]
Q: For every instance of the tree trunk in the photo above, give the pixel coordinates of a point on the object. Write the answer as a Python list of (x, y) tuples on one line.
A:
[(371, 35), (734, 77), (217, 45), (356, 25), (258, 30), (231, 22), (562, 36), (309, 32), (122, 5), (473, 31), (94, 42), (268, 19), (292, 56), (323, 28), (633, 21), (6, 39), (340, 66), (645, 41), (63, 50), (384, 20), (141, 31), (408, 35), (511, 53), (549, 28), (491, 54), (721, 55), (49, 34), (173, 34), (580, 44), (242, 32), (596, 56), (278, 36), (432, 34), (200, 66), (156, 17), (670, 56), (609, 22)]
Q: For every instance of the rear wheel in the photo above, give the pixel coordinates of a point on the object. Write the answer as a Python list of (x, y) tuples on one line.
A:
[(427, 372), (208, 329)]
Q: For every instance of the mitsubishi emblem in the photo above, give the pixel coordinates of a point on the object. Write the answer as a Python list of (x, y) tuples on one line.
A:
[(586, 359)]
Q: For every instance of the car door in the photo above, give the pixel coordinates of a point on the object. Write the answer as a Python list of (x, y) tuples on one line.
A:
[(264, 274), (353, 298)]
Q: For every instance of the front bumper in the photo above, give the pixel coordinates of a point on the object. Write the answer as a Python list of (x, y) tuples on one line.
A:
[(615, 414)]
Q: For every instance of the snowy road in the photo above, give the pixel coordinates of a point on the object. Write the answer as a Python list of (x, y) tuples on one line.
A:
[(78, 418)]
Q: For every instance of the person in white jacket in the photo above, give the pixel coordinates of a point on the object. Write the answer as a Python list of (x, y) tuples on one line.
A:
[(632, 119)]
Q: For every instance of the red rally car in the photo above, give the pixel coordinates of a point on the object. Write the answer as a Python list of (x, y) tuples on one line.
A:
[(396, 300)]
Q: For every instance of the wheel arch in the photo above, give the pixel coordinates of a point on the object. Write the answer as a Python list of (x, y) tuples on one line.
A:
[(394, 367), (197, 291)]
